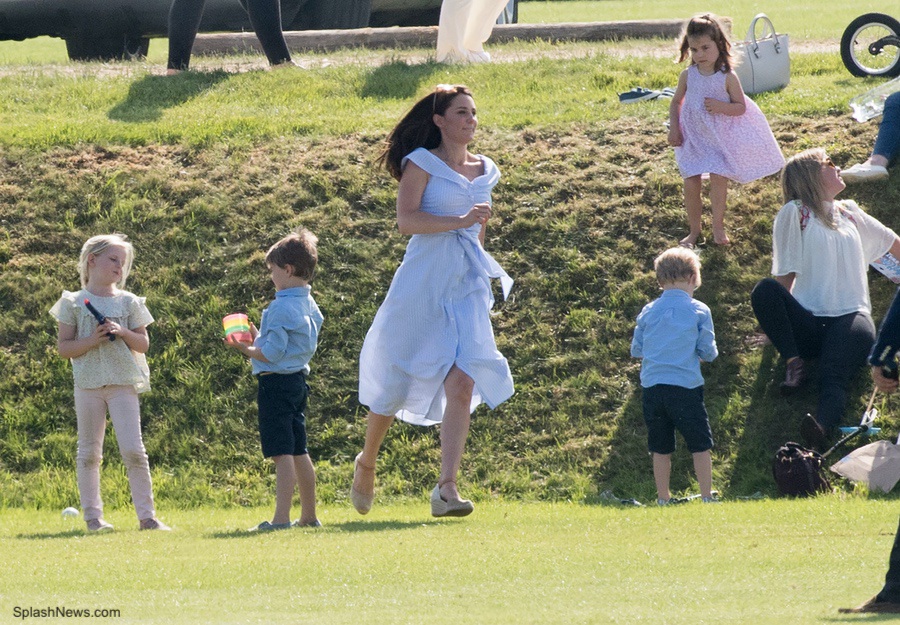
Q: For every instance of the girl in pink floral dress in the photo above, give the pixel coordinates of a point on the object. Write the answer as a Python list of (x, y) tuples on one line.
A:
[(715, 128)]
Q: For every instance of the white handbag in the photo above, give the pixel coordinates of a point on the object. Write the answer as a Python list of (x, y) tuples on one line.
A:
[(762, 62)]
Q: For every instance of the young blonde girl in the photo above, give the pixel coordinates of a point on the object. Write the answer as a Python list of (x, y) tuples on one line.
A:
[(110, 370), (714, 128)]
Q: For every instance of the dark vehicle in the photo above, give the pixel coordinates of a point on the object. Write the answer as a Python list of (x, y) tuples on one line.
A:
[(871, 46), (116, 29)]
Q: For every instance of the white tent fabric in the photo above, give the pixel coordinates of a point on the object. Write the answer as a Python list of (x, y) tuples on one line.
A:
[(463, 28)]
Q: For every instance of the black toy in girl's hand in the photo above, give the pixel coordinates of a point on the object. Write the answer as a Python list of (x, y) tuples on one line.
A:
[(101, 319)]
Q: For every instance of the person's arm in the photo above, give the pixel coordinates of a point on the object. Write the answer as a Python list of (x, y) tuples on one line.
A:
[(884, 383), (69, 346), (787, 280), (706, 340), (136, 339), (888, 341), (883, 356), (675, 138), (736, 106), (787, 245), (637, 342), (248, 349), (411, 219), (895, 248)]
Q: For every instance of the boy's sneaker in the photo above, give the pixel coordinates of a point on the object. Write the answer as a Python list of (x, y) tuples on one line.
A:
[(154, 524), (663, 502), (265, 526), (863, 172), (709, 500), (99, 525)]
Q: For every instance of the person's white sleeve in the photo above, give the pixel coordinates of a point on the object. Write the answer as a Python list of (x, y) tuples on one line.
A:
[(876, 238), (787, 241)]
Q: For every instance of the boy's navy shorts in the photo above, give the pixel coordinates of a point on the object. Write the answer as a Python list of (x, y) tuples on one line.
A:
[(281, 398), (668, 408)]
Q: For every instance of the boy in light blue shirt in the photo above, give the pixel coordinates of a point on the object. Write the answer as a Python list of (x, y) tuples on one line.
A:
[(280, 355), (674, 334)]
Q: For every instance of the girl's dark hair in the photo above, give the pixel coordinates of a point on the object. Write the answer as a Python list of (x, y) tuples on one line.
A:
[(709, 25), (417, 128)]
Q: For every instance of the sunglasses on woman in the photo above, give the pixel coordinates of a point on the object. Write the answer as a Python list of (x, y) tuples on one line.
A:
[(442, 88)]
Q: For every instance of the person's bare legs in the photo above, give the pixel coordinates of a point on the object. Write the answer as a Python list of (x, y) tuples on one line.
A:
[(377, 426), (662, 471), (703, 470), (285, 480), (306, 484), (718, 193), (458, 387), (693, 206)]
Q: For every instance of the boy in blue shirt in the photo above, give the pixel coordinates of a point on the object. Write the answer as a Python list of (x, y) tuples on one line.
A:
[(673, 335), (280, 354)]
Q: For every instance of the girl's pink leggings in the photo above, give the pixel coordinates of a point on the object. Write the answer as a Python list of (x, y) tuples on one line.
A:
[(91, 406)]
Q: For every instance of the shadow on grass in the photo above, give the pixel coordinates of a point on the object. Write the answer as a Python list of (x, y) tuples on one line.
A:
[(72, 533), (860, 618), (151, 95), (762, 433), (400, 80), (348, 526)]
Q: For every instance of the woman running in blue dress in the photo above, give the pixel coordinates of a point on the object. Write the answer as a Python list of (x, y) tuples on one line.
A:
[(430, 355)]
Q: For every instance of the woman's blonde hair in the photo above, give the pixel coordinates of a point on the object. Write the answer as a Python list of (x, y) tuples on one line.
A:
[(801, 179), (99, 244), (677, 264)]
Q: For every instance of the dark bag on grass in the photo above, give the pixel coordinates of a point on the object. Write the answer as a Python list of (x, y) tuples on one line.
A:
[(797, 471)]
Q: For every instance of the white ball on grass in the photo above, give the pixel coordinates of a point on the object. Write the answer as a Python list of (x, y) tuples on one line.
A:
[(70, 512)]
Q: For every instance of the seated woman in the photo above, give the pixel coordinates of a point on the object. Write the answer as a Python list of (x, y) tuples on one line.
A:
[(887, 145), (817, 305)]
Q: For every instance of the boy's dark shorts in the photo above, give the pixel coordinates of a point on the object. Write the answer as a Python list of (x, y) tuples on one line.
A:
[(668, 408), (281, 398)]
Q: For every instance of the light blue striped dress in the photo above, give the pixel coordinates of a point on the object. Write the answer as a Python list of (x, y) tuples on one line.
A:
[(437, 310)]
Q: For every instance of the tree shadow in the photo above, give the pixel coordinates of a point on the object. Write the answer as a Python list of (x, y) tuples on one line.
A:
[(150, 96)]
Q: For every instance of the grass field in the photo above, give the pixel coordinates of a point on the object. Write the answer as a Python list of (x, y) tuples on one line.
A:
[(759, 563)]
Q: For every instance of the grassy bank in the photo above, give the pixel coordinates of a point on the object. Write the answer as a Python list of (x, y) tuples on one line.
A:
[(203, 172)]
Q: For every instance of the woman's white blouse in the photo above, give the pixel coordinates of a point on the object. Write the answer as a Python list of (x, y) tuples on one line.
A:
[(830, 264), (112, 362)]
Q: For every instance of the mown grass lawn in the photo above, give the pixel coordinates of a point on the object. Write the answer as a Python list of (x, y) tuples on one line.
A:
[(754, 562)]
